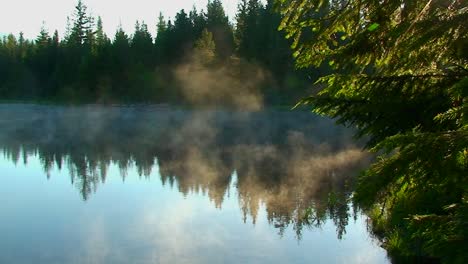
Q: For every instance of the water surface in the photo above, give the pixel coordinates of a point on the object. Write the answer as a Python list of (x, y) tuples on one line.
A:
[(149, 184)]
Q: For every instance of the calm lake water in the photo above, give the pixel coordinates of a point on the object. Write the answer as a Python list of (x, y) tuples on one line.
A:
[(148, 184)]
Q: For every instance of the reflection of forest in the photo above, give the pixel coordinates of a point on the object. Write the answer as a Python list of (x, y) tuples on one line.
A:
[(280, 158)]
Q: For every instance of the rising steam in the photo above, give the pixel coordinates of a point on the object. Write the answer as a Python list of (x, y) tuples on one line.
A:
[(231, 84)]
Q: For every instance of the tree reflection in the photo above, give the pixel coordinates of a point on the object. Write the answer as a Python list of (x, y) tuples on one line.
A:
[(279, 160)]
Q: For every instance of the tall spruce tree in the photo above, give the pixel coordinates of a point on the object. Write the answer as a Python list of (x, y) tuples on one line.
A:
[(204, 49), (79, 33), (43, 39), (160, 41), (241, 20), (101, 37), (183, 33), (142, 45), (218, 24), (198, 21)]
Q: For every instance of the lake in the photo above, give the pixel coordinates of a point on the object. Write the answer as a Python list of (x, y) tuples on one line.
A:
[(155, 184)]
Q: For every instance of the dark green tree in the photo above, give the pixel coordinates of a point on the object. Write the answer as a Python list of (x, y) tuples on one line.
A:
[(82, 24), (183, 34), (22, 46), (43, 39), (198, 21), (251, 44), (142, 45), (120, 62), (90, 39), (241, 20), (218, 24), (101, 37), (205, 48)]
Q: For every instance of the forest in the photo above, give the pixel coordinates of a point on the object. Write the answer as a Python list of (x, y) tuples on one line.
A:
[(87, 66)]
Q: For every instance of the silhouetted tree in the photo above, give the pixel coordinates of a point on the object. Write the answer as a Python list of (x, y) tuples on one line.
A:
[(82, 25)]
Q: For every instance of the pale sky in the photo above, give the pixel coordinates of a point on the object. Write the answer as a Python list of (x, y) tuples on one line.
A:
[(28, 15)]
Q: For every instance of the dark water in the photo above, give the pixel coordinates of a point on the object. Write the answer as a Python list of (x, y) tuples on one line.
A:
[(157, 185)]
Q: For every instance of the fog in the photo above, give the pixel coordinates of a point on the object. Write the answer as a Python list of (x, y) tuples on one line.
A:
[(301, 167), (233, 84)]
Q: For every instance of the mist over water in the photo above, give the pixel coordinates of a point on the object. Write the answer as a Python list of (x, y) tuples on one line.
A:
[(164, 185)]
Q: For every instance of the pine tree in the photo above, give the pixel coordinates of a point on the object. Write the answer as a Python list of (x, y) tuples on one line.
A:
[(142, 44), (183, 34), (43, 40), (160, 41), (90, 33), (81, 25), (218, 24), (121, 41), (56, 39), (11, 44), (161, 26), (101, 37), (251, 44), (22, 46), (198, 21), (205, 47), (241, 20), (68, 29)]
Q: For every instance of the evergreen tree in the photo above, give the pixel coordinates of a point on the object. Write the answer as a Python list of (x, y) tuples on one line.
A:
[(198, 21), (160, 41), (241, 20), (251, 45), (161, 25), (101, 37), (142, 45), (81, 25), (218, 24), (68, 29), (205, 47), (120, 61), (43, 40), (121, 47), (10, 45), (22, 47), (183, 34), (90, 33), (56, 39)]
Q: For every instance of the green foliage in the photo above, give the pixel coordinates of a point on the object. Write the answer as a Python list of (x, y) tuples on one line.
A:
[(81, 32), (401, 78), (205, 48), (217, 23), (142, 45)]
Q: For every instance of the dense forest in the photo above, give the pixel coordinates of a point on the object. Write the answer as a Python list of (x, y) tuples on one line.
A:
[(400, 79), (88, 66)]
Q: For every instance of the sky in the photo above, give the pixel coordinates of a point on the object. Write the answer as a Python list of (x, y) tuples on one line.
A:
[(28, 15)]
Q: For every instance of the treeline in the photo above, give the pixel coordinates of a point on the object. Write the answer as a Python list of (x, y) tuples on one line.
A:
[(86, 65)]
